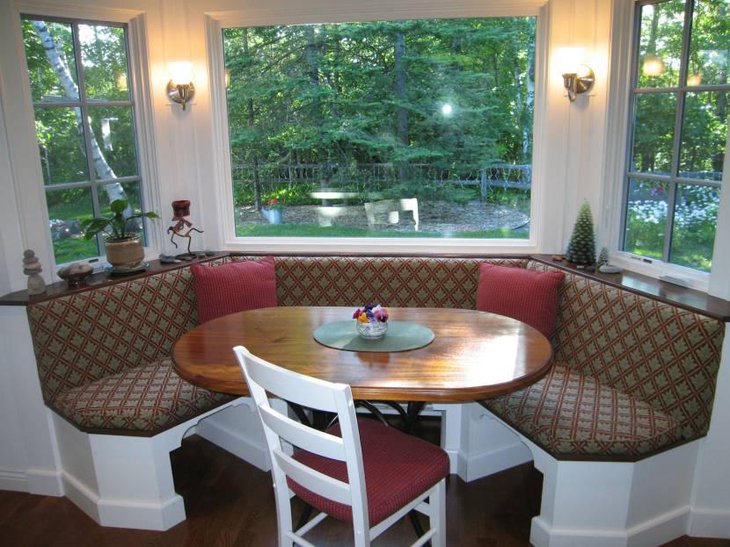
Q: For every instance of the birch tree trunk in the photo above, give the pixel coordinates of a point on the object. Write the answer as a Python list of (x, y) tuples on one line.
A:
[(60, 66), (401, 94)]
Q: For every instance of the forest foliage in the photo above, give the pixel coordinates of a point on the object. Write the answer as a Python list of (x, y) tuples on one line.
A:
[(453, 94)]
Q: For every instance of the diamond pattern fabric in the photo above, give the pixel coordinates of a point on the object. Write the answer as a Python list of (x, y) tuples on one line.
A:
[(632, 375), (572, 415), (416, 282), (141, 400), (89, 335), (651, 351)]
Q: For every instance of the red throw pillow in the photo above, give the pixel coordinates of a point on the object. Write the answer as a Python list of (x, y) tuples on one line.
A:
[(526, 295), (238, 286)]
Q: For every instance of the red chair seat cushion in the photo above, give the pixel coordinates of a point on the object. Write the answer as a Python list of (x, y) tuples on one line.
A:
[(234, 287), (398, 468), (526, 295)]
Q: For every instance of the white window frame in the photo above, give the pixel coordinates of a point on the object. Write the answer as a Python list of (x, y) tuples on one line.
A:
[(216, 22), (35, 218), (618, 130)]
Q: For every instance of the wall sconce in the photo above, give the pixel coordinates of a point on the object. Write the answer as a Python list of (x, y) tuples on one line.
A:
[(180, 88), (578, 82)]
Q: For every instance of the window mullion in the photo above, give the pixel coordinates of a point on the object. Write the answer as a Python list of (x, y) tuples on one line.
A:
[(678, 128)]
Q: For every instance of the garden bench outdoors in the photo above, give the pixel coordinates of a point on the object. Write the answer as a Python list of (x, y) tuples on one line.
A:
[(630, 393), (388, 212)]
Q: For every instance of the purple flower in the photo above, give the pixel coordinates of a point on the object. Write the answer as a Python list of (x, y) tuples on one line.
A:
[(372, 312)]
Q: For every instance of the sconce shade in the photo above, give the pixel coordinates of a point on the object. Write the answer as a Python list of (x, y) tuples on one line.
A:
[(578, 82), (180, 88)]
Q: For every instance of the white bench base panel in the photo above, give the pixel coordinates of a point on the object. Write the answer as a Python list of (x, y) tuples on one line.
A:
[(595, 504), (127, 482)]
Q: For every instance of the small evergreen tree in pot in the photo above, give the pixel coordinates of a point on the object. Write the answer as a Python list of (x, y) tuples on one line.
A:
[(582, 247)]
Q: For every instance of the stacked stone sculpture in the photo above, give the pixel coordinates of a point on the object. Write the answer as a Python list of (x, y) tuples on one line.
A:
[(32, 268)]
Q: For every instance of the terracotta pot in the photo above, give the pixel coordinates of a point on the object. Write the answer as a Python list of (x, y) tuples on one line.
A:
[(125, 253)]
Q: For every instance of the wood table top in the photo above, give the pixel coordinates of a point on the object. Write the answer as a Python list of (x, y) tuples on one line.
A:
[(475, 355)]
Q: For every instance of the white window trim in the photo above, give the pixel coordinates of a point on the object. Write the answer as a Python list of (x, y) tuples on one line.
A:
[(216, 21), (143, 111), (617, 131)]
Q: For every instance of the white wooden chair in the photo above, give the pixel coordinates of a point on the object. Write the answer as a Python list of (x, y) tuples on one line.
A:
[(390, 473)]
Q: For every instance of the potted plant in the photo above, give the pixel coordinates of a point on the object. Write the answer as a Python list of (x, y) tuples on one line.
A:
[(123, 243), (272, 211)]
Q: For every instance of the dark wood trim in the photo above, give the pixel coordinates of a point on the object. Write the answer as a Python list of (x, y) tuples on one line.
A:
[(102, 279), (689, 299)]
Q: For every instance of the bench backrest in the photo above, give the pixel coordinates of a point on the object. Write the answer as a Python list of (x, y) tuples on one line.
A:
[(655, 352), (88, 335), (415, 282)]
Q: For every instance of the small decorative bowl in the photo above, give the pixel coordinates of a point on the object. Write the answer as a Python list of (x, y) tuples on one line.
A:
[(75, 275), (371, 331)]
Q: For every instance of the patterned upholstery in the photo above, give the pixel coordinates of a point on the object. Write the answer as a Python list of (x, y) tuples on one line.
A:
[(415, 282), (572, 415), (647, 353), (633, 376), (140, 400), (88, 339)]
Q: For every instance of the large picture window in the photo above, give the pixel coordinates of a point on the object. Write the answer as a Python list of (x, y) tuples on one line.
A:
[(417, 128), (80, 83), (679, 125)]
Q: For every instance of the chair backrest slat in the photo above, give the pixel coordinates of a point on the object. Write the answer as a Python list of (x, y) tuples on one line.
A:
[(304, 437), (313, 480), (316, 393)]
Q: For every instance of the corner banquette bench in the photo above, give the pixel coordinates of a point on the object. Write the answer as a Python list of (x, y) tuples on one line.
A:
[(632, 376)]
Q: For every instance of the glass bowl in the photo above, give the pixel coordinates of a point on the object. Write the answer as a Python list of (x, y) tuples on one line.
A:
[(371, 331)]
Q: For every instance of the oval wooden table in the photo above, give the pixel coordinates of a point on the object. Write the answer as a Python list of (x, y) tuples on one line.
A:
[(474, 355)]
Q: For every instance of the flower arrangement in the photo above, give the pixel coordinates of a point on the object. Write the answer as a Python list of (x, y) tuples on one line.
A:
[(274, 203), (371, 321)]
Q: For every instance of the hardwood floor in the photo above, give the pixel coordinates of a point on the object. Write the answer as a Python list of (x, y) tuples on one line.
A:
[(230, 503)]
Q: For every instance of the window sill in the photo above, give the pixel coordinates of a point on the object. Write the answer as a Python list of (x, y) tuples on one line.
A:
[(688, 298), (425, 246)]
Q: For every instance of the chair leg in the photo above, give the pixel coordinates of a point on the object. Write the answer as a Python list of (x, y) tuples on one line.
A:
[(437, 518)]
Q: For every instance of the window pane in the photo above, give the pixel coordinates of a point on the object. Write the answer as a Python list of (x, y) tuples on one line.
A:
[(695, 218), (61, 144), (66, 210), (704, 135), (710, 46), (114, 136), (104, 58), (660, 45), (51, 62), (352, 126), (84, 135), (653, 133), (646, 218)]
